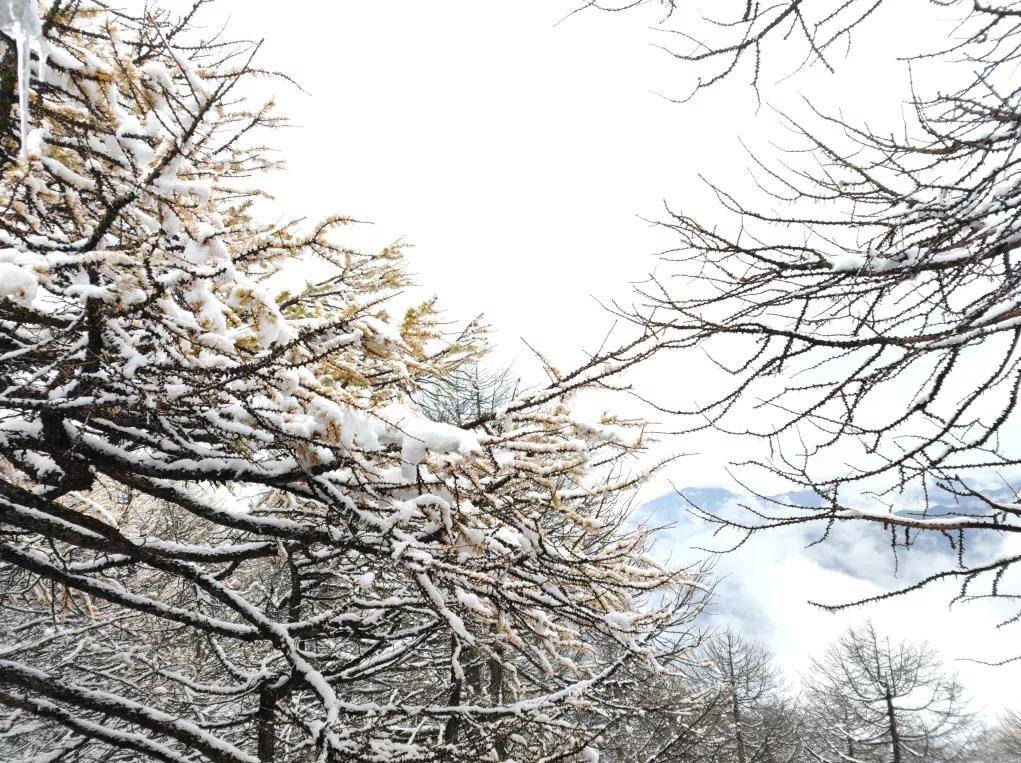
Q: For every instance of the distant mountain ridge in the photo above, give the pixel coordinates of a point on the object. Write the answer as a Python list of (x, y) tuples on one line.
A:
[(848, 543)]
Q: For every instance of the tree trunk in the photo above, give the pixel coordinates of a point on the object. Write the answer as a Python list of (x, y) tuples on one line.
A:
[(453, 725), (894, 734), (496, 696), (738, 736), (267, 726), (735, 707)]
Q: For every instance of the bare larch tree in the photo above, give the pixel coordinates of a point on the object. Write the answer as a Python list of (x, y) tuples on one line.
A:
[(874, 701), (757, 720), (868, 308)]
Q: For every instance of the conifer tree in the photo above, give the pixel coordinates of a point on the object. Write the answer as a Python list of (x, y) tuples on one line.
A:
[(869, 699), (228, 532)]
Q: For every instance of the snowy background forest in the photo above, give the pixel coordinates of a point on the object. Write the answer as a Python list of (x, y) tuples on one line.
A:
[(509, 382)]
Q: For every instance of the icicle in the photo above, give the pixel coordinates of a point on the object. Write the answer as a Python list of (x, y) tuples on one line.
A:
[(19, 20), (23, 80)]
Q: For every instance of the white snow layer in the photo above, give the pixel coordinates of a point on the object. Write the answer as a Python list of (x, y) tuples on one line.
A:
[(17, 283)]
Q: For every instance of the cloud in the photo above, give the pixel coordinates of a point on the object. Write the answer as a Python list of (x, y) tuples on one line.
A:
[(765, 588)]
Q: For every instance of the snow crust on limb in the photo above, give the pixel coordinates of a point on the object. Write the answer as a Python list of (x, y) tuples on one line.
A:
[(236, 531)]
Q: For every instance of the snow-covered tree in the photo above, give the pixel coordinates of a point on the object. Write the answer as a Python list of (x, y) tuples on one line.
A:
[(871, 700), (678, 723), (228, 532), (757, 721), (999, 743)]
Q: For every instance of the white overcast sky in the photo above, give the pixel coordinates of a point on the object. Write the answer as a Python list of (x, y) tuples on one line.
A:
[(519, 157)]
